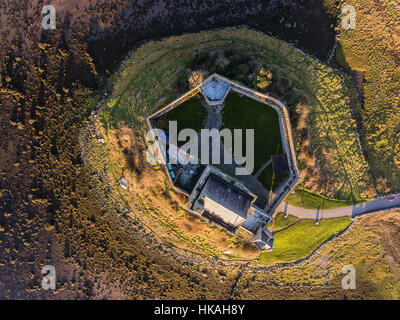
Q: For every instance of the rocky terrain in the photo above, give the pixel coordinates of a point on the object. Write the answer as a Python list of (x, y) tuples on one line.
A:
[(49, 81)]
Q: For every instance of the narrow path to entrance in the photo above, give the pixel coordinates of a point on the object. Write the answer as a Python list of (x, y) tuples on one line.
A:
[(266, 164), (214, 117)]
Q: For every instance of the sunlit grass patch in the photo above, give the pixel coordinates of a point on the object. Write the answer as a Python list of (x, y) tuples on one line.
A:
[(309, 200), (302, 239), (281, 222)]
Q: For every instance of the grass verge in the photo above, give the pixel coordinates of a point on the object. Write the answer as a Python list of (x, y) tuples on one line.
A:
[(302, 239), (310, 200)]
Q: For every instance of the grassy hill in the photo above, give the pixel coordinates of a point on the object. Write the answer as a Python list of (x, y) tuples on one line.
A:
[(331, 150)]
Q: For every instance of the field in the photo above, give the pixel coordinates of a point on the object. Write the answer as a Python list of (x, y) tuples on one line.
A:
[(371, 246), (302, 239)]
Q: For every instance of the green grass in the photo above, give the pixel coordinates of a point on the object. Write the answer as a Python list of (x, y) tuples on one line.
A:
[(309, 200), (302, 239), (246, 113), (280, 222), (191, 114)]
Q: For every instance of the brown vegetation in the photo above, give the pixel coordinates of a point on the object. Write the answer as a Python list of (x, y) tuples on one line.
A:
[(132, 151), (373, 48), (50, 211)]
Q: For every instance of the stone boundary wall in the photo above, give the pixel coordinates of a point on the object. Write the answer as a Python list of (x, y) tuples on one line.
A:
[(175, 103)]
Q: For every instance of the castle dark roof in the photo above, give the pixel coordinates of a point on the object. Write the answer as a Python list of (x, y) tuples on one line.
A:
[(227, 196), (280, 164)]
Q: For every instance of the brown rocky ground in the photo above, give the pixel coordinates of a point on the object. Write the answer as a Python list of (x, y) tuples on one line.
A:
[(49, 211)]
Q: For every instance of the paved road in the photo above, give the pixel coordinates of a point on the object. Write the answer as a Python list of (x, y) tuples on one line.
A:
[(350, 211)]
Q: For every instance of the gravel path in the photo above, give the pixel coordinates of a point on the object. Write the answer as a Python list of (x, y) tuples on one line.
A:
[(214, 117)]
